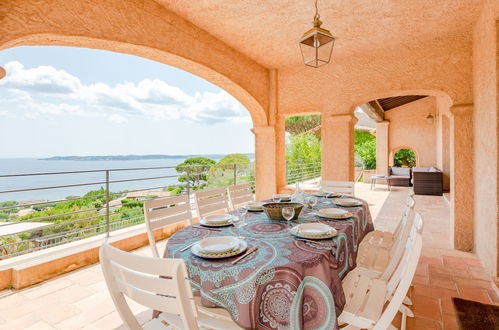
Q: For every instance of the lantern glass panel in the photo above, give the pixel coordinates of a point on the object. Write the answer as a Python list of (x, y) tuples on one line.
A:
[(316, 49)]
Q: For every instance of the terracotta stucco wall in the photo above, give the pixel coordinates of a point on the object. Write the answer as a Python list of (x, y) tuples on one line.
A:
[(408, 127), (485, 136)]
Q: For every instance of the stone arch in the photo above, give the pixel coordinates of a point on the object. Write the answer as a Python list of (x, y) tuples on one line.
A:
[(394, 150), (143, 28), (440, 95), (257, 112)]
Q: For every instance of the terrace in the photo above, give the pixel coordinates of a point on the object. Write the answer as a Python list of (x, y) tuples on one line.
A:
[(425, 72), (79, 299)]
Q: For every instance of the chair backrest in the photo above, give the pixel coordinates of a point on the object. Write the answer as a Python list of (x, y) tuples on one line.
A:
[(165, 211), (341, 187), (406, 269), (240, 195), (211, 201), (160, 284), (400, 244), (359, 170), (409, 207)]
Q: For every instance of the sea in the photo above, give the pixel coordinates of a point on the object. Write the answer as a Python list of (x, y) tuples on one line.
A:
[(80, 181)]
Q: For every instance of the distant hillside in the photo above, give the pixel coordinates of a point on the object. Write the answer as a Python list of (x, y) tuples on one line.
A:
[(133, 157)]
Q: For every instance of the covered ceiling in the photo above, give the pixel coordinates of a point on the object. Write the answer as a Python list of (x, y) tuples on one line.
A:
[(267, 31), (395, 102)]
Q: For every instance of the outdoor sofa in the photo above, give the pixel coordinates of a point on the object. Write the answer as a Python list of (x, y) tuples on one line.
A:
[(427, 181), (400, 176)]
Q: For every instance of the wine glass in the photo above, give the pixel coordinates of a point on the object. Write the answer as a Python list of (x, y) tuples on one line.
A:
[(310, 202), (238, 220), (276, 198), (288, 213)]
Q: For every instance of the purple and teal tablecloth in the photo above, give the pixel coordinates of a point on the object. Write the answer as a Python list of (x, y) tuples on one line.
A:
[(259, 291)]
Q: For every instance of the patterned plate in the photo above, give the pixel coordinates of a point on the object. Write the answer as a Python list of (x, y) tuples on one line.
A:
[(295, 231), (347, 215), (195, 250)]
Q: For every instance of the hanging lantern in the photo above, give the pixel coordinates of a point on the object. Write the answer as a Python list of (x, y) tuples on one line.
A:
[(317, 44)]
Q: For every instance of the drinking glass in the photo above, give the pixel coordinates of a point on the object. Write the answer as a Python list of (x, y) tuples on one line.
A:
[(276, 198), (288, 213), (310, 202)]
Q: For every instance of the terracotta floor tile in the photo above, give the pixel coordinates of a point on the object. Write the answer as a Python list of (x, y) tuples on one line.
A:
[(450, 322), (474, 293), (431, 260), (442, 280), (432, 291), (421, 279), (447, 305), (473, 282), (418, 323), (426, 307)]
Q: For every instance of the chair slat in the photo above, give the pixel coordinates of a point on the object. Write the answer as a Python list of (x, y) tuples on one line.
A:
[(145, 282), (212, 209), (164, 212), (161, 202), (159, 223), (210, 192), (150, 300), (211, 200)]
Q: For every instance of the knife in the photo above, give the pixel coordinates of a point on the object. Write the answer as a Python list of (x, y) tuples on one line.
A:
[(250, 251)]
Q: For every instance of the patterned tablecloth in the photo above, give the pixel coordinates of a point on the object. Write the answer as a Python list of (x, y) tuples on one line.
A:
[(260, 289)]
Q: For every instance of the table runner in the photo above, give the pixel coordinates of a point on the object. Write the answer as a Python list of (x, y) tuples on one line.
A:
[(259, 291)]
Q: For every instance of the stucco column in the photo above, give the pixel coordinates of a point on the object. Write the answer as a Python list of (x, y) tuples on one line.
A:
[(265, 168), (382, 147), (461, 178), (280, 138), (337, 147)]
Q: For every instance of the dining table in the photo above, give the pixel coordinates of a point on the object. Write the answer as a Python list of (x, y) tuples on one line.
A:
[(286, 283)]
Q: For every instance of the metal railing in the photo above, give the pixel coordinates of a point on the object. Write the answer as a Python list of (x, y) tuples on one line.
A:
[(302, 170), (97, 202)]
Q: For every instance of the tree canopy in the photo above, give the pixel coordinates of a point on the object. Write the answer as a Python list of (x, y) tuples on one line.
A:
[(365, 147), (303, 124), (404, 158), (195, 174)]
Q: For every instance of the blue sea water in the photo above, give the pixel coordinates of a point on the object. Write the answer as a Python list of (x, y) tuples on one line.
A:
[(31, 165)]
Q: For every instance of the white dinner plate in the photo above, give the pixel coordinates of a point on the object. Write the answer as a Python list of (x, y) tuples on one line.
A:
[(255, 206), (326, 194), (242, 246), (283, 197), (218, 244), (333, 213), (348, 202), (217, 218), (313, 231), (217, 224)]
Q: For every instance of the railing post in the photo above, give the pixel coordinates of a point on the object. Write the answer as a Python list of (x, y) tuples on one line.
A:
[(107, 203), (235, 174)]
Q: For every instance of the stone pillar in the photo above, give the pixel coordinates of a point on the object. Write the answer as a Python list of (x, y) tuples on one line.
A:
[(280, 138), (265, 156), (461, 176), (337, 147), (382, 147)]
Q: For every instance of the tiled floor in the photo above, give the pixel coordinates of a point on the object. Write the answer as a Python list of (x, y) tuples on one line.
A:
[(79, 300)]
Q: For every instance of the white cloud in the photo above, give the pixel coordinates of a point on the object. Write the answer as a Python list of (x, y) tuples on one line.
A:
[(5, 113), (118, 119), (56, 92)]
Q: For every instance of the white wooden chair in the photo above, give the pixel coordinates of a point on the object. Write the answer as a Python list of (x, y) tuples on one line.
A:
[(376, 258), (340, 187), (165, 211), (160, 284), (211, 200), (240, 195), (366, 297), (386, 238)]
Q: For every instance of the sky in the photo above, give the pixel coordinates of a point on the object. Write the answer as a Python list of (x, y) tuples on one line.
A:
[(62, 101)]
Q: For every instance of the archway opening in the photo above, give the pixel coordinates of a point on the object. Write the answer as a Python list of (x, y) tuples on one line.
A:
[(404, 157)]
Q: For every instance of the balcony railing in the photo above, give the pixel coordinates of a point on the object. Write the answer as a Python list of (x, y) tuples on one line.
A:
[(96, 202), (78, 204), (302, 170)]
